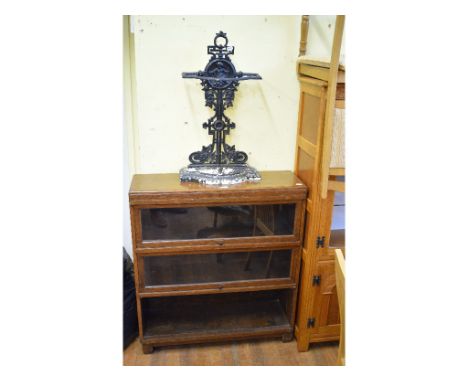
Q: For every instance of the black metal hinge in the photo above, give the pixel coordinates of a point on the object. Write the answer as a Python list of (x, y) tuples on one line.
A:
[(311, 322), (316, 280), (320, 241)]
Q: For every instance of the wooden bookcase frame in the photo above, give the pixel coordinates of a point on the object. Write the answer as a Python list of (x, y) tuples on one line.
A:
[(166, 191)]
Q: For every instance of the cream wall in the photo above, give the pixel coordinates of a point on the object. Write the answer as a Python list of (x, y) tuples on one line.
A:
[(169, 110), (320, 38)]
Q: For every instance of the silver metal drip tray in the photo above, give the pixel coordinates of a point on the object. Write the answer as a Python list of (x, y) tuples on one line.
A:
[(219, 174)]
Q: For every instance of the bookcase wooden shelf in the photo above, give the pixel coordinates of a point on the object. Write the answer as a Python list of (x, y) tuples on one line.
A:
[(216, 263)]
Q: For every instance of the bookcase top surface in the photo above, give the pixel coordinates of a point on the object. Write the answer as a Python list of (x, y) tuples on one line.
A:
[(170, 183)]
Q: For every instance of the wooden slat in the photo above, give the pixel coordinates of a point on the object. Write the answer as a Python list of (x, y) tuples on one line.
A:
[(167, 248), (312, 89), (312, 81), (323, 64), (307, 146), (315, 72), (340, 104), (320, 73), (335, 185), (203, 289), (339, 171), (330, 108), (298, 130)]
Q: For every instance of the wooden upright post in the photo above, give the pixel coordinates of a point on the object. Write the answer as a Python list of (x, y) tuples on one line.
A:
[(304, 32), (330, 108)]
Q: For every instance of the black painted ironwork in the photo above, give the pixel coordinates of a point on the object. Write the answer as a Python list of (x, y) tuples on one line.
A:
[(219, 81)]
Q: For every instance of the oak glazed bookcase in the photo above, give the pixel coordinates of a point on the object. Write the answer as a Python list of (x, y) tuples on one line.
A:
[(216, 263)]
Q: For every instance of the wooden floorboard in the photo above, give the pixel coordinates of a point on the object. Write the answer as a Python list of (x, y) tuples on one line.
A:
[(244, 353)]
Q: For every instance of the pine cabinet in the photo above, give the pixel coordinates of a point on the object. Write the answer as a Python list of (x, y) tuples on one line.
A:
[(318, 311)]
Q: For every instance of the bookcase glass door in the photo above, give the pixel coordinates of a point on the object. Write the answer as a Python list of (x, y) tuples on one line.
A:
[(215, 267), (217, 222)]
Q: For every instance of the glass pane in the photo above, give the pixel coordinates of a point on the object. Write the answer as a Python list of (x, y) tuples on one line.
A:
[(217, 222), (337, 236), (210, 268)]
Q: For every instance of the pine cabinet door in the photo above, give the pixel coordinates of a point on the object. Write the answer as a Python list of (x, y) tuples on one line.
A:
[(326, 320)]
